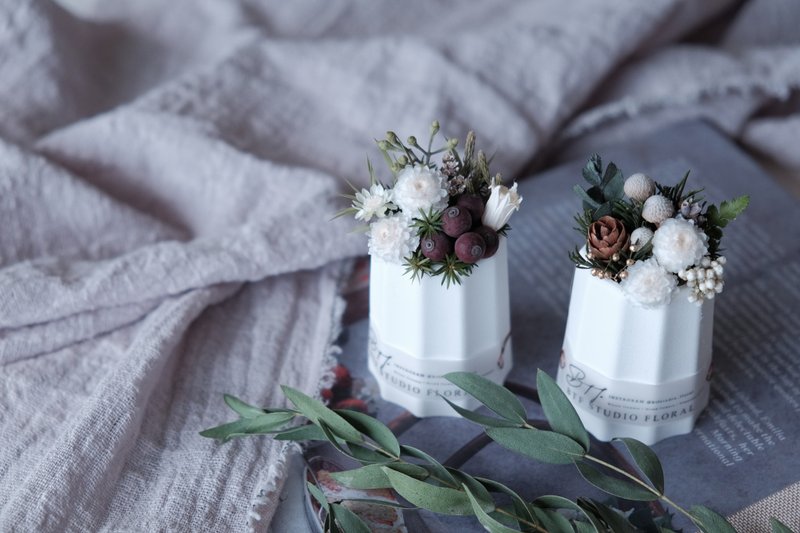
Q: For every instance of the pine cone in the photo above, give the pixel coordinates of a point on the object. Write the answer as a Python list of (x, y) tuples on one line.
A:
[(607, 237)]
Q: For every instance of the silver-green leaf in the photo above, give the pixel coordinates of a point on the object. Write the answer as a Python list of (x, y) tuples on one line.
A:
[(259, 425), (497, 398), (647, 461), (373, 429), (545, 446), (615, 486), (709, 521), (350, 522), (315, 411), (559, 410), (491, 525), (442, 500)]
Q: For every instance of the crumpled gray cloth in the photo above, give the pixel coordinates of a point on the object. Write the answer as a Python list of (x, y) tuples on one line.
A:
[(168, 171)]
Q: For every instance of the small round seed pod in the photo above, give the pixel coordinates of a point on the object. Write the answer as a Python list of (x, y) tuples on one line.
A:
[(639, 187), (641, 236), (657, 209)]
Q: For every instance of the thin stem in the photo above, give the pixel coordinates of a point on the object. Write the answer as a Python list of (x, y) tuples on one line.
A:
[(537, 527), (643, 484)]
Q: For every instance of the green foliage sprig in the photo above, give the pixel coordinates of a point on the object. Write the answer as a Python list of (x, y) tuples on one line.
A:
[(426, 483)]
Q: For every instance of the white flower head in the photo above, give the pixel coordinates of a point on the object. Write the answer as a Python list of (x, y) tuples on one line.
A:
[(392, 238), (648, 284), (678, 244), (501, 205), (419, 187), (372, 202)]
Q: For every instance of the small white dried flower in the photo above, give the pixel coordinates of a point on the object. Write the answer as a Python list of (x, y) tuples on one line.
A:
[(657, 209), (678, 244), (639, 187), (372, 202), (648, 285), (641, 236), (419, 188), (392, 238)]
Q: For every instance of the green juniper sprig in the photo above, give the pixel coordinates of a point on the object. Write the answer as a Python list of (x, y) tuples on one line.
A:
[(426, 483)]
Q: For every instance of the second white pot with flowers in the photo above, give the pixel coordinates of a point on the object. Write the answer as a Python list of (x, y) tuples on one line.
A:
[(637, 351), (439, 299)]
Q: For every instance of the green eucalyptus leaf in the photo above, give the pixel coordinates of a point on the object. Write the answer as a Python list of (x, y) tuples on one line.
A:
[(559, 410), (552, 521), (647, 461), (556, 502), (590, 512), (709, 521), (613, 183), (315, 411), (591, 172), (521, 508), (586, 527), (350, 522), (302, 433), (478, 490), (491, 525), (478, 418), (545, 446), (605, 209), (615, 521), (318, 495), (260, 425), (373, 429), (497, 398), (778, 527), (367, 455), (588, 201), (442, 500), (614, 486), (434, 467), (244, 410), (372, 476)]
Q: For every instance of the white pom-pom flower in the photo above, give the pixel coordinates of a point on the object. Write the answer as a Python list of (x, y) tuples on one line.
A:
[(657, 209), (419, 188), (641, 236), (678, 244), (374, 202), (500, 206), (648, 284), (392, 238), (639, 187)]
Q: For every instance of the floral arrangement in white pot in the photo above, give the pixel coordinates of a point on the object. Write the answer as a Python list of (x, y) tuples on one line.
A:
[(653, 252), (652, 238), (436, 218)]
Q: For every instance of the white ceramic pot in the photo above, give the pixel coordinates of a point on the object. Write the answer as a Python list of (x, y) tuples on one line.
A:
[(420, 330), (634, 372)]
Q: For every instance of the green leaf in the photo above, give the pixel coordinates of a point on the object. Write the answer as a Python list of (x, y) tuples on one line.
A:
[(729, 210), (434, 467), (242, 409), (491, 525), (556, 502), (521, 508), (478, 490), (617, 487), (478, 418), (350, 522), (612, 518), (318, 495), (372, 476), (709, 521), (559, 410), (367, 455), (588, 201), (260, 425), (591, 172), (552, 521), (586, 527), (613, 183), (315, 411), (778, 526), (545, 446), (373, 429), (437, 499), (647, 461), (497, 398), (302, 433)]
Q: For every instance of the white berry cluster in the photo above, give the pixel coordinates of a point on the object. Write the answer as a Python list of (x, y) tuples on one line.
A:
[(704, 281)]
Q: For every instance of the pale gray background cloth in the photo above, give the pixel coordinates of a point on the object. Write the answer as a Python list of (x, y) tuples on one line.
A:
[(169, 169)]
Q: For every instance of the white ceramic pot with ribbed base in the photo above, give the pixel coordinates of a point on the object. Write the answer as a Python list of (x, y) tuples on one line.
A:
[(420, 330), (635, 372)]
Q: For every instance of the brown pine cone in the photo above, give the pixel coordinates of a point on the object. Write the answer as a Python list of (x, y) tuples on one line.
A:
[(607, 237)]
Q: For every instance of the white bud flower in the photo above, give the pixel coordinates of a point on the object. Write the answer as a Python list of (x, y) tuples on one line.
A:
[(710, 284), (657, 209), (722, 260), (719, 286), (718, 270), (639, 187), (690, 275), (501, 205), (706, 262), (641, 236)]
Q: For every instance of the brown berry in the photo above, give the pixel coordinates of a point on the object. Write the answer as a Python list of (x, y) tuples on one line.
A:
[(491, 238), (456, 220), (436, 247), (470, 247), (474, 204)]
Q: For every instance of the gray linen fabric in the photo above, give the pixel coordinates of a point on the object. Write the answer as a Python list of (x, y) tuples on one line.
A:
[(168, 172)]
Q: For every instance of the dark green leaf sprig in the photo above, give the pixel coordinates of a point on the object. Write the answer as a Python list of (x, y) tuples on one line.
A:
[(425, 483), (605, 196)]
